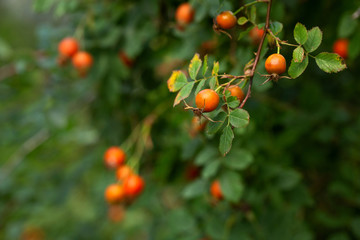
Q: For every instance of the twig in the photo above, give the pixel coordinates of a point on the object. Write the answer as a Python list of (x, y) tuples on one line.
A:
[(258, 53)]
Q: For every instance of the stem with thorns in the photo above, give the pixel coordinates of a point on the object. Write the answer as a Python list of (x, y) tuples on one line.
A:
[(258, 53)]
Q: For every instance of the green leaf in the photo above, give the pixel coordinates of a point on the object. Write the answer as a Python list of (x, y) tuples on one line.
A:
[(184, 93), (195, 65), (300, 33), (231, 186), (210, 169), (212, 82), (252, 14), (200, 86), (239, 118), (195, 189), (354, 46), (176, 81), (205, 156), (244, 33), (232, 101), (298, 54), (287, 179), (355, 225), (330, 62), (297, 68), (238, 159), (347, 25), (226, 140), (215, 70), (276, 27), (314, 39), (213, 127), (205, 65), (242, 20)]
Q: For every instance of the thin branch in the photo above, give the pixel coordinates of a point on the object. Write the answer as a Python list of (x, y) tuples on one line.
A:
[(258, 53)]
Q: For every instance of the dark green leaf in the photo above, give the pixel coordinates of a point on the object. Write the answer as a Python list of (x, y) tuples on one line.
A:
[(233, 102), (314, 39), (212, 82), (206, 155), (330, 62), (244, 33), (300, 33), (239, 118), (200, 86), (226, 140), (213, 127), (354, 46), (210, 169), (276, 27), (252, 14), (195, 189), (231, 186), (184, 93), (296, 68), (238, 159), (347, 25)]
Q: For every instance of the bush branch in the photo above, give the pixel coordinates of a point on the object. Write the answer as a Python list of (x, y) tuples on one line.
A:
[(258, 53)]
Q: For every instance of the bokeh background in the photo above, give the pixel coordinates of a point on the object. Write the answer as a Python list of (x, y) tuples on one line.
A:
[(304, 134)]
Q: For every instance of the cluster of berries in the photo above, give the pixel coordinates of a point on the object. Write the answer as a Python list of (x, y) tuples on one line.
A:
[(129, 185), (69, 50)]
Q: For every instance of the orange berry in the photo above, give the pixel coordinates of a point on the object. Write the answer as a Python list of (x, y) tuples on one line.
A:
[(236, 91), (256, 35), (226, 20), (123, 172), (114, 157), (133, 185), (215, 190), (68, 47), (82, 60), (114, 193), (207, 99), (184, 13), (341, 47), (275, 63)]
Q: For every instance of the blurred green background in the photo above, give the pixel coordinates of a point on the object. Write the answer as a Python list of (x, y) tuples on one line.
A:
[(304, 134)]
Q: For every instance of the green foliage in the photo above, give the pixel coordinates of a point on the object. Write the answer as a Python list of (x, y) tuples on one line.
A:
[(293, 168)]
